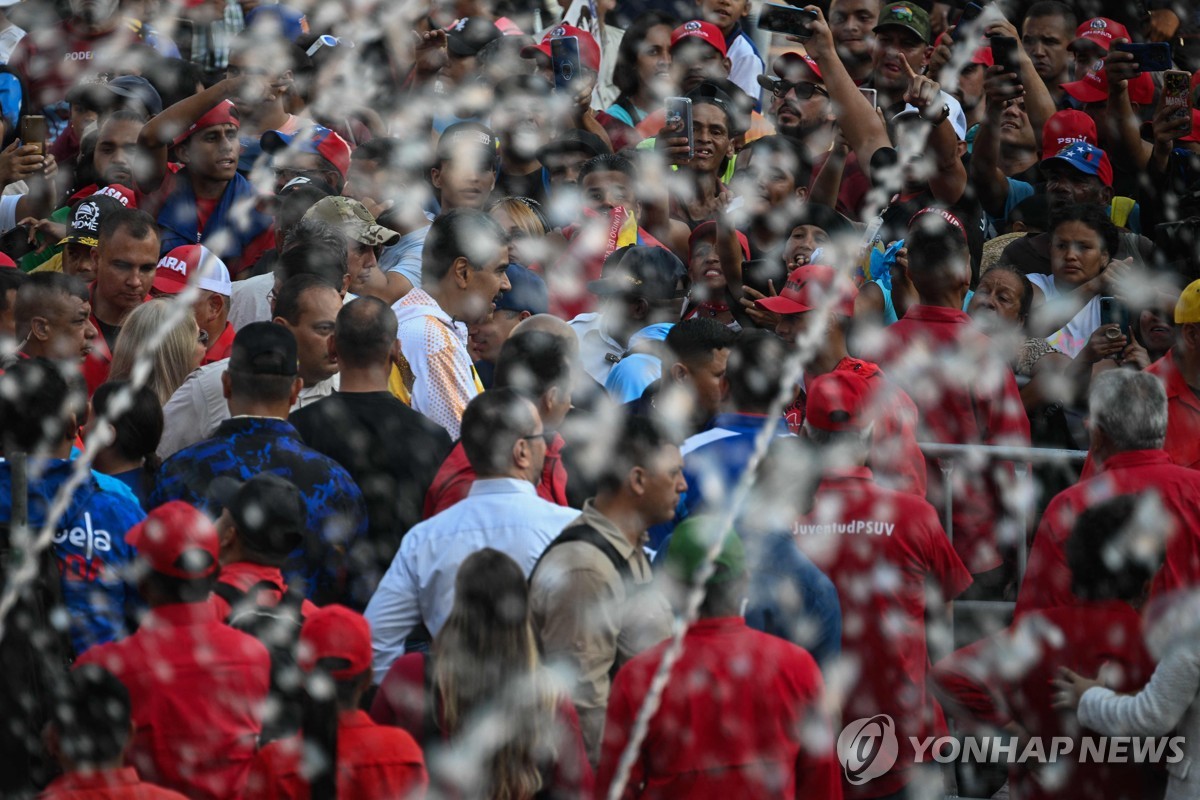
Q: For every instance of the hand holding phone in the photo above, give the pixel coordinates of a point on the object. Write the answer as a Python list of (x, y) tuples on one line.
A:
[(1177, 87), (679, 119), (971, 12), (787, 20), (1006, 53), (34, 131), (1150, 56), (564, 55)]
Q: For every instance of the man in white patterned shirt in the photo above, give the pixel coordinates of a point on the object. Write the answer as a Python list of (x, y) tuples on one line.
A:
[(462, 270)]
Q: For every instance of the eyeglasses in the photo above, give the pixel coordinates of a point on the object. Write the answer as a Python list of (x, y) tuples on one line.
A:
[(780, 87), (545, 436), (202, 337)]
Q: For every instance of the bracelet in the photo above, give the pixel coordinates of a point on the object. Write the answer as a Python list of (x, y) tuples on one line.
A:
[(945, 115)]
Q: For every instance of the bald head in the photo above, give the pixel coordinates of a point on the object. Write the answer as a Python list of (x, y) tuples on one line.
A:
[(551, 324), (365, 333)]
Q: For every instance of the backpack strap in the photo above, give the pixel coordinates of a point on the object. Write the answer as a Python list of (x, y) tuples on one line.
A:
[(233, 595), (589, 535)]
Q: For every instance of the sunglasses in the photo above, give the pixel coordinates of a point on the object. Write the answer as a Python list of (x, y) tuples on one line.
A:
[(780, 87)]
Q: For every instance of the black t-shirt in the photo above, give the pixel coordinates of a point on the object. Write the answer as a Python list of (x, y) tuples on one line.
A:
[(532, 186), (391, 451), (109, 332)]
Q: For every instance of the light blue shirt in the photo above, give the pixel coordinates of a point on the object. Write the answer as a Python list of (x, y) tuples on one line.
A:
[(630, 377), (502, 513), (405, 256)]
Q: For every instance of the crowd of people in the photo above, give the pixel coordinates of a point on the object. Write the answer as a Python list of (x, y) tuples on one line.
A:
[(482, 399)]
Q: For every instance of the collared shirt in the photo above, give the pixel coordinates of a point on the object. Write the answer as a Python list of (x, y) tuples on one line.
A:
[(198, 688), (1183, 413), (598, 351), (740, 717), (336, 521), (220, 349), (373, 761), (1047, 580), (502, 513), (629, 379), (404, 256), (588, 618), (121, 783), (199, 406), (434, 362), (455, 476)]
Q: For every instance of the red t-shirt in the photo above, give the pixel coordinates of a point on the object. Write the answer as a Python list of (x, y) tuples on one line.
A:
[(854, 187), (456, 476), (198, 689), (740, 717), (981, 680), (52, 60), (895, 458), (222, 347), (1048, 578), (964, 394), (882, 549), (374, 761)]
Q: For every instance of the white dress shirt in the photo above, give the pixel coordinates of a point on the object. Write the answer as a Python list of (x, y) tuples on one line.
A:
[(502, 513), (199, 406)]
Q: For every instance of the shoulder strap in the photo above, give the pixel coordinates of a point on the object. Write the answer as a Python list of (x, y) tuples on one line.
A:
[(229, 593), (232, 595), (588, 534)]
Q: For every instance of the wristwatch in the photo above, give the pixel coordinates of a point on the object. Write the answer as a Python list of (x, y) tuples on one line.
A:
[(940, 118)]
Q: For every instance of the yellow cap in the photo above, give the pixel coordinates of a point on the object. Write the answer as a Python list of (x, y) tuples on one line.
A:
[(1187, 309)]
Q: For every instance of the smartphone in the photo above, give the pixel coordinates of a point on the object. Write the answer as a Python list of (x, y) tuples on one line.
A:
[(1113, 313), (679, 115), (787, 20), (970, 13), (564, 54), (1004, 53), (34, 131), (1177, 86), (872, 97), (1151, 56)]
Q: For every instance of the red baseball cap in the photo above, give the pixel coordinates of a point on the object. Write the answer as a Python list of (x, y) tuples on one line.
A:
[(196, 264), (176, 539), (807, 287), (939, 214), (6, 262), (589, 51), (1066, 128), (222, 113), (984, 56), (122, 194), (321, 141), (335, 631), (704, 31), (837, 402), (781, 64), (1093, 88), (1100, 31)]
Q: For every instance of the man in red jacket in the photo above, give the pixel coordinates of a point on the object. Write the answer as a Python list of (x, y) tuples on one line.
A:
[(895, 457), (890, 560), (965, 393), (538, 365), (1179, 370), (742, 713), (1128, 412), (198, 686), (980, 687)]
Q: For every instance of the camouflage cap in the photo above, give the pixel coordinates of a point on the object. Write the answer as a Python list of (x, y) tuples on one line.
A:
[(353, 218), (906, 15)]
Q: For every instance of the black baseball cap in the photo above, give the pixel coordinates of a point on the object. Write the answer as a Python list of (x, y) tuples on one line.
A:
[(267, 510), (575, 140), (462, 136), (264, 348), (639, 271), (470, 35)]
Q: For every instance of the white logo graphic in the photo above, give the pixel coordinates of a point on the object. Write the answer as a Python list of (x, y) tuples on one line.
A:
[(692, 26), (87, 216), (175, 264), (868, 748), (1099, 24), (90, 539), (559, 31)]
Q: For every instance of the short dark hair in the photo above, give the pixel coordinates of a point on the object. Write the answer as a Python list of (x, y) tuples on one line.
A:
[(36, 400), (1104, 563), (139, 427), (694, 340), (1053, 8), (138, 223), (92, 716), (38, 290), (1093, 216), (532, 362), (936, 251), (786, 145), (287, 300), (461, 233), (365, 332), (491, 425), (10, 279), (755, 370), (608, 162), (314, 247), (638, 441)]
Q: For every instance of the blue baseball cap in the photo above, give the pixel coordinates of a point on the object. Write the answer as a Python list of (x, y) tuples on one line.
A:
[(528, 292), (320, 141), (1087, 158)]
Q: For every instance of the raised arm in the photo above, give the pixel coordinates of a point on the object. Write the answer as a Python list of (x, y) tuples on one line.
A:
[(990, 182)]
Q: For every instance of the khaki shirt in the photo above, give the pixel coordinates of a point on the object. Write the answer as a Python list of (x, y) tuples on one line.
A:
[(587, 619)]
